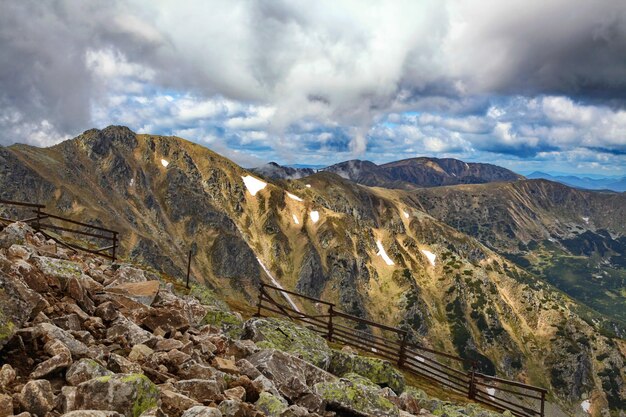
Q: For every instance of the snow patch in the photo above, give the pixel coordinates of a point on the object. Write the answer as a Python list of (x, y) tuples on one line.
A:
[(374, 350), (586, 219), (406, 215), (315, 216), (295, 219), (419, 358), (491, 392), (586, 406), (164, 163), (277, 284), (132, 182), (294, 197), (383, 254), (431, 256), (308, 186), (254, 185)]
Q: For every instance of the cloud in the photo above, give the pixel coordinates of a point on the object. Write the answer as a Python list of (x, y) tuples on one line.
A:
[(352, 77)]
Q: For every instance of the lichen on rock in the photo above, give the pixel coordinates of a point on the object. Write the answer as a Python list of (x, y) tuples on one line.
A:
[(379, 371), (285, 335), (356, 394)]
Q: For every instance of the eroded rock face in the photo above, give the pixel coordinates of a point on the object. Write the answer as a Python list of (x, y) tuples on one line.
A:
[(128, 394), (286, 336)]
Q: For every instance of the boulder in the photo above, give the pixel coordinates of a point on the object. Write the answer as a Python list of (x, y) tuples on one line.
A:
[(7, 376), (174, 404), (6, 405), (140, 353), (67, 399), (271, 405), (166, 318), (288, 337), (379, 371), (128, 394), (127, 273), (142, 292), (295, 411), (356, 394), (92, 413), (226, 365), (126, 331), (202, 390), (14, 234), (232, 408), (201, 411), (36, 397), (18, 303), (51, 332), (230, 323), (292, 376), (58, 268), (61, 358), (84, 370), (236, 393)]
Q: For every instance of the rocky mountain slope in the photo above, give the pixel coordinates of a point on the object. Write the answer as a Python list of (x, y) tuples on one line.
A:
[(574, 239), (279, 172), (378, 253), (421, 172), (80, 337)]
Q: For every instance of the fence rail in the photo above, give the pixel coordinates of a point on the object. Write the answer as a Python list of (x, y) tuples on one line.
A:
[(68, 226), (449, 371)]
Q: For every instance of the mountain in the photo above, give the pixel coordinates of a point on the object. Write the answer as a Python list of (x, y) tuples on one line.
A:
[(280, 172), (421, 172), (390, 255), (609, 183)]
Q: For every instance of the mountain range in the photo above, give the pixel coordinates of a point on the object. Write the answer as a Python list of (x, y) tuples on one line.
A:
[(609, 183), (524, 276)]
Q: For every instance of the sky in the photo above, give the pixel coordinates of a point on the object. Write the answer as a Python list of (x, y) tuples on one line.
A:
[(529, 85)]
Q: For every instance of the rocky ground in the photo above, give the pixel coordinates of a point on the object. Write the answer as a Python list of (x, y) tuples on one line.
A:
[(82, 337)]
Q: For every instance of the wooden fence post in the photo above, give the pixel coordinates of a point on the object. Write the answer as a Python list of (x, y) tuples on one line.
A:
[(331, 313), (188, 269), (258, 304), (543, 403), (114, 248), (402, 354), (37, 223), (471, 393)]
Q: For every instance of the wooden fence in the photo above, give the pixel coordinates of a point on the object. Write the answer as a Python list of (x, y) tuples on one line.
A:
[(449, 371), (43, 221)]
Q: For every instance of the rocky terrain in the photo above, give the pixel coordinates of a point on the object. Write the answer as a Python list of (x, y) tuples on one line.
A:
[(81, 337), (389, 255)]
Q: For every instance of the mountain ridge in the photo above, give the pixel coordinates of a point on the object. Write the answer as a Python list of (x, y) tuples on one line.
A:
[(323, 236)]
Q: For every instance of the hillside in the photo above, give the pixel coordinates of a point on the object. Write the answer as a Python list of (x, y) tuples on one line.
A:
[(82, 337), (378, 253), (574, 239)]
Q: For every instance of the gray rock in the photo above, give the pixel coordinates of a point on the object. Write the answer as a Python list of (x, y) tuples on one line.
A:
[(84, 370), (18, 303), (291, 375), (271, 405), (174, 404), (288, 337), (14, 234), (7, 376), (128, 394), (6, 405), (50, 331), (37, 398), (199, 389), (92, 413), (61, 358), (201, 411)]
